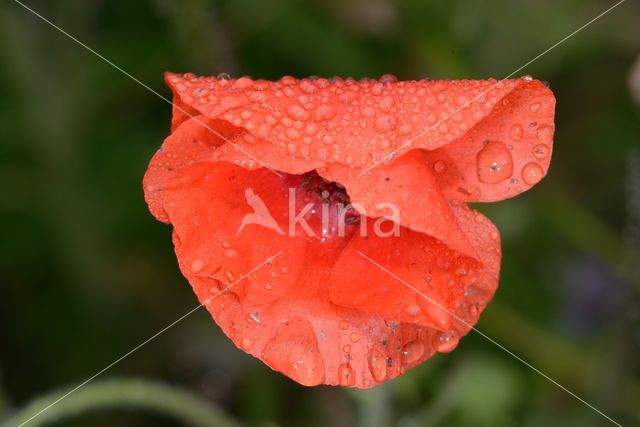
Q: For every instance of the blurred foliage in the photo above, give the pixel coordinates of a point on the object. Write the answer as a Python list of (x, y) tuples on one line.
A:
[(86, 273), (160, 399)]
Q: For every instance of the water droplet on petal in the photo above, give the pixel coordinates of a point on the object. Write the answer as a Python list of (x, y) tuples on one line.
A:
[(412, 352), (404, 129), (197, 266), (532, 173), (346, 375), (343, 324), (230, 253), (473, 311), (494, 162), (516, 132), (545, 133), (386, 103), (294, 352), (378, 366), (246, 343), (541, 151), (307, 86), (385, 123), (445, 341), (439, 167), (388, 78), (413, 310), (296, 112), (323, 112)]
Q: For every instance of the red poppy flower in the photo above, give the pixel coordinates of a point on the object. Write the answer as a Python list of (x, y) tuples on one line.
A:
[(302, 169)]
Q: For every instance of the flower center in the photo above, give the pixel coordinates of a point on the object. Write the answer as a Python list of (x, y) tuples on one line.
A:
[(320, 208)]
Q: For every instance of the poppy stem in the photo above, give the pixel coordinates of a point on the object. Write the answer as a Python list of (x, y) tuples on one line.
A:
[(143, 395)]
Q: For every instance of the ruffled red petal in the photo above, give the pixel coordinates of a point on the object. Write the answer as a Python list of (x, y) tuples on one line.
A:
[(360, 309)]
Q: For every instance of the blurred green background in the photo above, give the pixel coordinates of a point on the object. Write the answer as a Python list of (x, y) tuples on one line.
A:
[(86, 273)]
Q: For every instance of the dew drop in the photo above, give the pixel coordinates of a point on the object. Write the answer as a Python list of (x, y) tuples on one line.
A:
[(404, 129), (534, 107), (230, 253), (292, 134), (378, 366), (516, 132), (368, 112), (385, 123), (291, 148), (462, 101), (386, 103), (307, 86), (296, 112), (494, 162), (322, 153), (323, 112), (541, 151), (294, 351), (532, 173), (439, 167), (343, 324), (346, 375), (446, 341), (413, 310), (388, 78), (311, 129), (473, 311), (197, 266), (472, 293), (545, 133), (412, 352), (246, 343)]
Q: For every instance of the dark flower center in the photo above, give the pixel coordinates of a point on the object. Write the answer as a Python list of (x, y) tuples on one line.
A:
[(323, 205)]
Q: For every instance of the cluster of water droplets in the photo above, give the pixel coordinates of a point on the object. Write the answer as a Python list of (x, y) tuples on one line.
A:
[(305, 117)]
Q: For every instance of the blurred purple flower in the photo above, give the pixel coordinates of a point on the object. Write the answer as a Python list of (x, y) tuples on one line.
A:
[(593, 296)]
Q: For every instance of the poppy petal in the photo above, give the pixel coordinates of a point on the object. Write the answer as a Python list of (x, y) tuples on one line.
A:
[(406, 186), (279, 313), (505, 154), (193, 139), (298, 125)]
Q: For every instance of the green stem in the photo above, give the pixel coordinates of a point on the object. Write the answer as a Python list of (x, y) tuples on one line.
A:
[(374, 406), (121, 393)]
